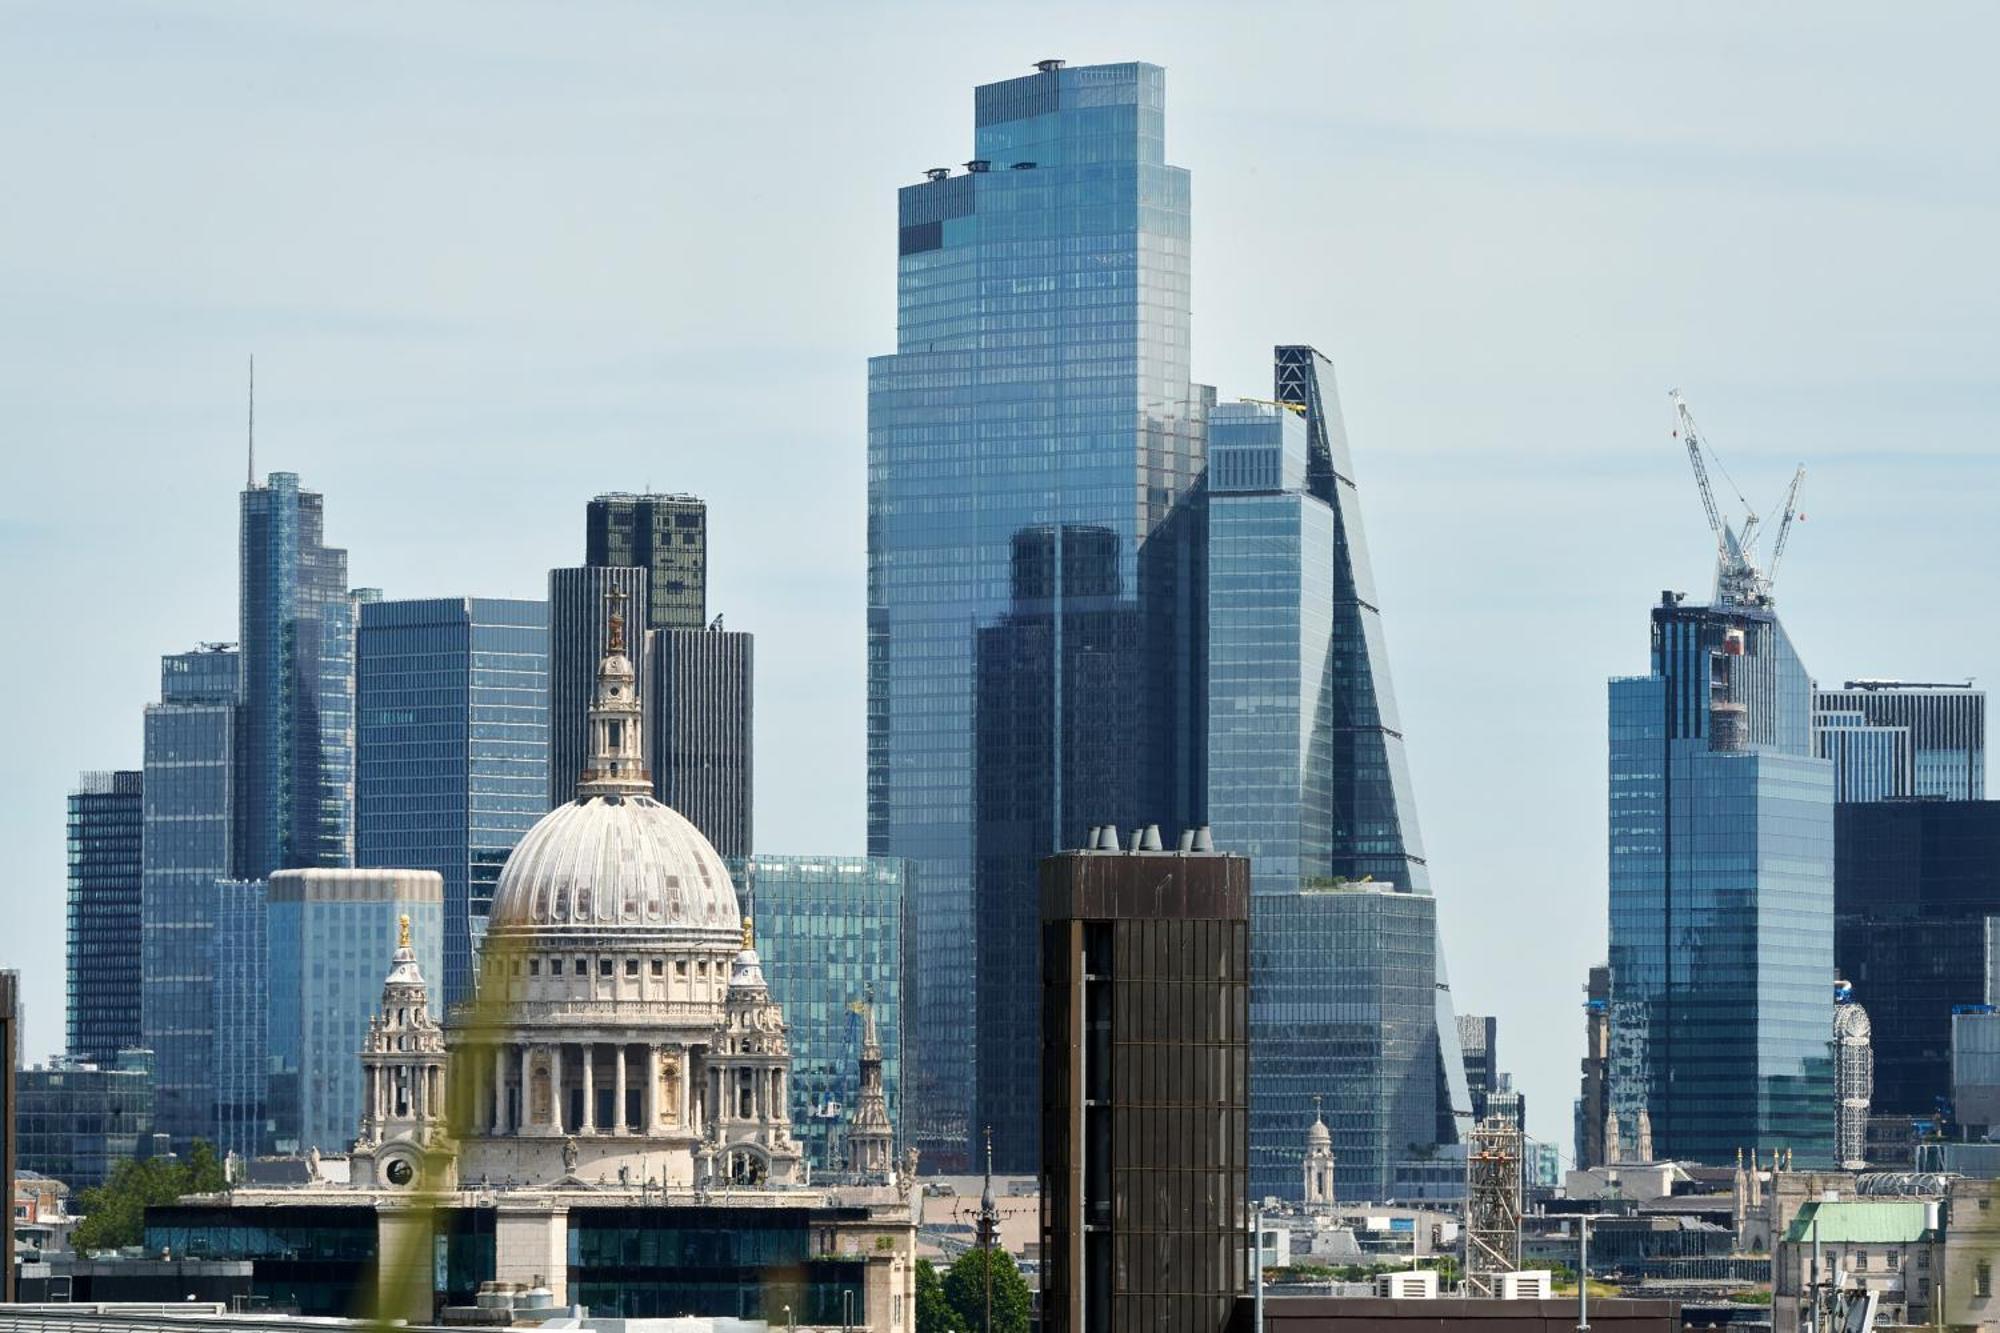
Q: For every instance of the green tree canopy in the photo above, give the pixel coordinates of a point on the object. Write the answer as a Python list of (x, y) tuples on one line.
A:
[(114, 1213), (934, 1312), (965, 1291)]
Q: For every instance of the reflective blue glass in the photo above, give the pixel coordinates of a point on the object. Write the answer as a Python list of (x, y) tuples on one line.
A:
[(242, 996), (106, 868), (1721, 869), (830, 930), (1030, 443), (452, 750)]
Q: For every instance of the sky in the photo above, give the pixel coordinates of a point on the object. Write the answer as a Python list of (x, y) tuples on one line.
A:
[(496, 258)]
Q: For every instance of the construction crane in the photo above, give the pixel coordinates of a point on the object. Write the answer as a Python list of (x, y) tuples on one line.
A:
[(1738, 580)]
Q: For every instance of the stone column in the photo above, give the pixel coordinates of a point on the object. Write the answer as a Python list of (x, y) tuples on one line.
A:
[(618, 1054), (555, 1086), (499, 1107), (527, 1082), (649, 1099), (587, 1052)]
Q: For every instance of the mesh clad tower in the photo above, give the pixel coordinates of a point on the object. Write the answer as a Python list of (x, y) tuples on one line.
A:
[(189, 827), (297, 641), (452, 754), (1722, 901), (106, 827), (1030, 442)]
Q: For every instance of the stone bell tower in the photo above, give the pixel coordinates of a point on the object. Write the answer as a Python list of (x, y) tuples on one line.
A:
[(403, 1082)]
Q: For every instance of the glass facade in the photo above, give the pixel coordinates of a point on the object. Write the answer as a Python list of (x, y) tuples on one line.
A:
[(189, 804), (1891, 739), (732, 1263), (332, 934), (1031, 444), (297, 640), (667, 536), (452, 753), (1915, 885), (831, 932), (106, 826), (76, 1120), (317, 1260), (1342, 1009), (1721, 871), (238, 1067)]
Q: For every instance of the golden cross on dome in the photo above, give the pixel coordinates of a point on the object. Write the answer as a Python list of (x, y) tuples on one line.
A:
[(403, 940)]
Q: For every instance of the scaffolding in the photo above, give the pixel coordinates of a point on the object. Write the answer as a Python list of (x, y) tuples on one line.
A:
[(1492, 1206)]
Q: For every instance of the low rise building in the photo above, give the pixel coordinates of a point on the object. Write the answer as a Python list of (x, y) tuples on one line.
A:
[(77, 1120), (1888, 1248)]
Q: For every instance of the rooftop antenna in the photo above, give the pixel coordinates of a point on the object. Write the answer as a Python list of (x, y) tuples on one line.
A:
[(250, 476)]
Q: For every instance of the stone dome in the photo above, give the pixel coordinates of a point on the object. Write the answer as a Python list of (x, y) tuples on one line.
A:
[(616, 862)]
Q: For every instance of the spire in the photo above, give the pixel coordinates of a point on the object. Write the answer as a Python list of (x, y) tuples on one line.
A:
[(989, 1215), (870, 1136), (250, 475), (617, 763)]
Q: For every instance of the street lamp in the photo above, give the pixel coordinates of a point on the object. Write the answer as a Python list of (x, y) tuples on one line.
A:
[(788, 1319)]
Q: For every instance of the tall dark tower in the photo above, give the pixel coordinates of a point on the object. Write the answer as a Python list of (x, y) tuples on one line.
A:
[(665, 535)]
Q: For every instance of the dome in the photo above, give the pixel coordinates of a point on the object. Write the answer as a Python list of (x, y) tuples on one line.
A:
[(616, 861)]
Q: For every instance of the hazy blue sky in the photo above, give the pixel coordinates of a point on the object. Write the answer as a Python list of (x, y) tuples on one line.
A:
[(495, 258)]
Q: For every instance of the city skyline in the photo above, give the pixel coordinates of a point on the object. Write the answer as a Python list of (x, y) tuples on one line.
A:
[(1562, 477)]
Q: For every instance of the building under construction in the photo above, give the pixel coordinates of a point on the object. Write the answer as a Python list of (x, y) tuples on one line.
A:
[(1492, 1206), (1853, 1079)]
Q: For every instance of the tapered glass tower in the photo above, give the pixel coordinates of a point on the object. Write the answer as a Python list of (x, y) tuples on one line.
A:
[(1031, 443)]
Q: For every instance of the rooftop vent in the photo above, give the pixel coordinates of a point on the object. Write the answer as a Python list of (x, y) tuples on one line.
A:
[(1048, 66), (936, 173), (978, 164)]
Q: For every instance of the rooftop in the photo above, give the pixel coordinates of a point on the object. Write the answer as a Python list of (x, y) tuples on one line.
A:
[(1861, 1222)]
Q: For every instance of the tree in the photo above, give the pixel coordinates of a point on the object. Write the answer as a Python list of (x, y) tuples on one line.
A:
[(965, 1289), (934, 1312), (115, 1212)]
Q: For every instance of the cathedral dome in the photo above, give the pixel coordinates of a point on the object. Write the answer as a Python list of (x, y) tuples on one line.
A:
[(616, 861)]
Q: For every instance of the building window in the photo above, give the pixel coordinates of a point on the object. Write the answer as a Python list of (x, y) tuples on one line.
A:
[(1982, 1280), (659, 968), (535, 967), (555, 967), (680, 967), (604, 967), (583, 967), (631, 967), (1861, 1261)]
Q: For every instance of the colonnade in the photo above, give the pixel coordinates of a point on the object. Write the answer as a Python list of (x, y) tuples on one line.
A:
[(527, 1088), (403, 1092)]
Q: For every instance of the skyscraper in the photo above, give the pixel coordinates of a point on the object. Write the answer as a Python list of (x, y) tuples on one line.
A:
[(190, 805), (238, 1071), (1306, 773), (1029, 442), (297, 641), (452, 751), (1721, 833), (832, 931), (106, 828), (699, 715), (579, 622), (665, 535), (328, 932), (1892, 738)]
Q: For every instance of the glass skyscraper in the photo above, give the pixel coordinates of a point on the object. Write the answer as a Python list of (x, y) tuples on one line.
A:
[(1032, 442), (1306, 774), (106, 827), (667, 536), (700, 711), (830, 930), (1722, 903), (189, 804), (1890, 738), (297, 641), (452, 752), (332, 935), (238, 1069)]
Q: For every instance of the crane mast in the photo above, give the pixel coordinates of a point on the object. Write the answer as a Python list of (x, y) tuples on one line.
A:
[(1738, 580)]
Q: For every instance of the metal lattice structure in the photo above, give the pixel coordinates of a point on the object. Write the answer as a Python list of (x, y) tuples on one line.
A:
[(1853, 1079), (1492, 1206)]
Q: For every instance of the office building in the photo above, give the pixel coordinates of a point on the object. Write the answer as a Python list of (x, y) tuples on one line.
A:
[(10, 1059), (699, 706), (1343, 1025), (1032, 442), (239, 1068), (190, 803), (1306, 773), (296, 747), (329, 932), (1892, 738), (832, 931), (579, 625), (665, 535), (106, 826), (1721, 876), (1478, 1044), (452, 751), (1915, 883), (1144, 1011), (76, 1120)]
